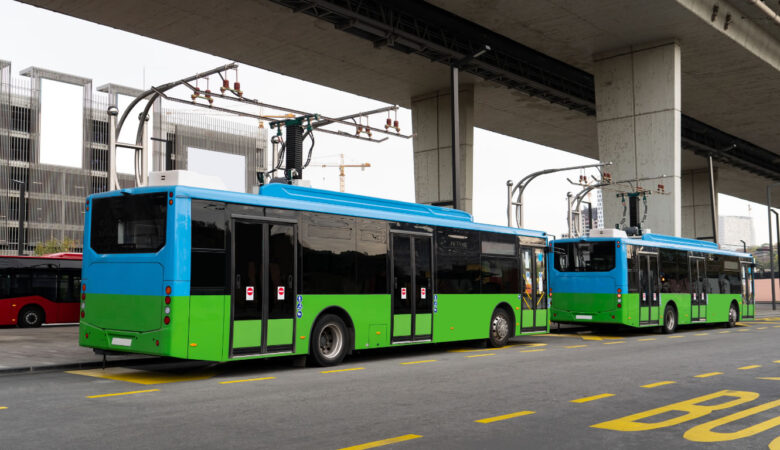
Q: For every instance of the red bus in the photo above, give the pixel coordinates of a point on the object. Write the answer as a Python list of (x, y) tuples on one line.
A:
[(39, 289)]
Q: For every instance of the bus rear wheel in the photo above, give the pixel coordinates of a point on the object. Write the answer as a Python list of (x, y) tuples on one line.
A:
[(30, 317), (329, 341), (670, 320), (499, 328), (733, 316)]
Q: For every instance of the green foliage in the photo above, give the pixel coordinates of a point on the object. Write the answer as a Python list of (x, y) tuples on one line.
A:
[(54, 245)]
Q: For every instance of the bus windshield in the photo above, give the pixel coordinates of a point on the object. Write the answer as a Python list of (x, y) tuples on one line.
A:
[(129, 224), (585, 256)]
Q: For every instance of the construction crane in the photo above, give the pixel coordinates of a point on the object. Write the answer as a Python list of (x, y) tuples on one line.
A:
[(342, 166)]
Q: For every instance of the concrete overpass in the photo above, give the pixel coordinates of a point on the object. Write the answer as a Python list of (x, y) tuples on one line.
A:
[(654, 86)]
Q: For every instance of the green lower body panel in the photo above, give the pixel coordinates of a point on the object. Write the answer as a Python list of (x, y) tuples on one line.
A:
[(280, 332), (402, 325), (247, 333), (422, 324)]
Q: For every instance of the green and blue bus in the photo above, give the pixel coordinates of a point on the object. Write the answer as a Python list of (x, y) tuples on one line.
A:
[(648, 281), (205, 274)]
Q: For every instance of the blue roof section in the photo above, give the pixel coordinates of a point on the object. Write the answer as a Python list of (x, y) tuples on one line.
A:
[(664, 241), (279, 195)]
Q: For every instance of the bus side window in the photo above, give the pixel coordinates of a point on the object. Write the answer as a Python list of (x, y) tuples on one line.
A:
[(632, 264), (5, 283)]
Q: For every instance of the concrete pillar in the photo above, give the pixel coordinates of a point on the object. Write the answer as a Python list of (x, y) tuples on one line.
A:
[(638, 121), (433, 148), (697, 204)]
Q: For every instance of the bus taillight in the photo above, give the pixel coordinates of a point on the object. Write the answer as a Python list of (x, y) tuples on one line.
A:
[(620, 298), (167, 290), (167, 300), (167, 319)]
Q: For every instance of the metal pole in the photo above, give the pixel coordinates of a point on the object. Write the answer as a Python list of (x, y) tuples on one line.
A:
[(113, 182), (777, 230), (509, 203), (713, 199), (22, 214), (454, 107), (744, 246), (771, 258)]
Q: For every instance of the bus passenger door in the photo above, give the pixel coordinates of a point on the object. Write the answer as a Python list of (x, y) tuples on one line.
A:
[(698, 294), (747, 310), (263, 288), (533, 308), (649, 299), (412, 299)]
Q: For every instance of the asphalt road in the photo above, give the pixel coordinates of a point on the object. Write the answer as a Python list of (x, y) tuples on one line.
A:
[(704, 387)]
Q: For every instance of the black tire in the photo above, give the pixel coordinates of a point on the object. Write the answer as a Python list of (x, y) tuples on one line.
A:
[(330, 341), (31, 317), (733, 316), (670, 320), (499, 328)]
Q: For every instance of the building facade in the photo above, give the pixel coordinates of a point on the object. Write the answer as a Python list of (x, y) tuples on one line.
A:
[(54, 195)]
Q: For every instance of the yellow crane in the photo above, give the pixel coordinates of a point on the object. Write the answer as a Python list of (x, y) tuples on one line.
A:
[(342, 166)]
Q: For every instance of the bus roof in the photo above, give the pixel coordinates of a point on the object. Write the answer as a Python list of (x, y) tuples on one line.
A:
[(663, 241), (286, 196)]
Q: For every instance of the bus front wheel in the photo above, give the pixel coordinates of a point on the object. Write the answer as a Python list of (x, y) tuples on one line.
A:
[(30, 317), (670, 320), (733, 316), (329, 341), (499, 328)]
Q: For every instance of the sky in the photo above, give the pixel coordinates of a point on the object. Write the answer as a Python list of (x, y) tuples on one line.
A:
[(36, 37)]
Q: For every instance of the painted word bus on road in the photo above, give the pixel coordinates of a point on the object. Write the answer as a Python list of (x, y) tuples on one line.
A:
[(649, 280), (212, 275)]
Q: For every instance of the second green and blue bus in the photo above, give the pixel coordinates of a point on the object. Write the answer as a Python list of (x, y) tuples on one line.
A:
[(649, 281)]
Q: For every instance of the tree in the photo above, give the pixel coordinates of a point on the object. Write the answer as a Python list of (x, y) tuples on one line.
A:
[(54, 245)]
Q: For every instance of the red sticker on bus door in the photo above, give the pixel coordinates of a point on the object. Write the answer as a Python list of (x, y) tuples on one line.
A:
[(280, 293), (422, 293), (403, 293), (250, 293)]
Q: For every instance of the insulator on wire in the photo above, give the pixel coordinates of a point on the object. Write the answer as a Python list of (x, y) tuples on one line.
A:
[(396, 126), (388, 124), (237, 88)]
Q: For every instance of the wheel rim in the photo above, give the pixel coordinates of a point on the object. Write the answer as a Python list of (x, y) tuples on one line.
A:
[(670, 320), (733, 315), (31, 318), (500, 327), (331, 340)]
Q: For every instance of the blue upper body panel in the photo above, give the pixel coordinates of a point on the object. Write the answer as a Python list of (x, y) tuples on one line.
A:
[(663, 241), (174, 257)]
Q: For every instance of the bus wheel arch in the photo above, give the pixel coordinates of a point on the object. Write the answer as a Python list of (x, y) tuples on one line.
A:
[(31, 316), (331, 322), (670, 318), (501, 325), (733, 314)]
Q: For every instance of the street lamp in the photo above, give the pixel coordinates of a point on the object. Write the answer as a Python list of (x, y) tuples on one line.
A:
[(22, 213)]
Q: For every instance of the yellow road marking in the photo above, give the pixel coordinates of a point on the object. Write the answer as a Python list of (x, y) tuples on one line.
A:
[(600, 338), (676, 336), (709, 374), (140, 376), (533, 345), (755, 366), (591, 398), (775, 444), (776, 362), (534, 350), (576, 346), (248, 379), (481, 354), (775, 326), (122, 393), (343, 370), (505, 416), (701, 334), (3, 407), (762, 328), (472, 350), (647, 339), (419, 362), (618, 342), (406, 437), (724, 332), (743, 329), (660, 383), (769, 378)]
